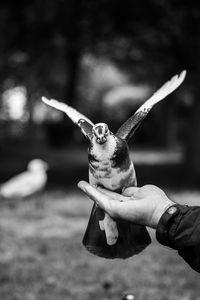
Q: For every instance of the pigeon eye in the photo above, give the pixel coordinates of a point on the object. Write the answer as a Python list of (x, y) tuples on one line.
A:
[(106, 131)]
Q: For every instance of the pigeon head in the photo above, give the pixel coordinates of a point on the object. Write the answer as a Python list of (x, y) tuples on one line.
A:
[(37, 165), (100, 132)]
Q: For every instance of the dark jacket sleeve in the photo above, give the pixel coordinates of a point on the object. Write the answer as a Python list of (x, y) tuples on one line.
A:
[(179, 228)]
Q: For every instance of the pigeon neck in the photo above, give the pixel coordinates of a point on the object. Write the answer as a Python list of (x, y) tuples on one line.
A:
[(108, 148), (36, 170)]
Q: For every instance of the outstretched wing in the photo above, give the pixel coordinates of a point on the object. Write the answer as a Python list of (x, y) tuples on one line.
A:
[(83, 122), (129, 127)]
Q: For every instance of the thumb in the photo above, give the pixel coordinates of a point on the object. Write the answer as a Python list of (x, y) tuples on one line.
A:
[(130, 191)]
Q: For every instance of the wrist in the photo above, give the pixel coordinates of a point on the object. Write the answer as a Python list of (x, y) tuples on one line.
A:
[(167, 227), (160, 210)]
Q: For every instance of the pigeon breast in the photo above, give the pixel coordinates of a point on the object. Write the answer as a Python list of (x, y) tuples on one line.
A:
[(110, 165)]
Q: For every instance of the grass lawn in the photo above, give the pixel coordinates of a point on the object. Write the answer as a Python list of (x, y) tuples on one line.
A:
[(42, 258)]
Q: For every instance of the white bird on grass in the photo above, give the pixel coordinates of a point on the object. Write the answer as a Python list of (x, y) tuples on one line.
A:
[(27, 183), (128, 297)]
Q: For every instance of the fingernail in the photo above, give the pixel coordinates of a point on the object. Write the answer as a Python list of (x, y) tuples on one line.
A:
[(81, 185)]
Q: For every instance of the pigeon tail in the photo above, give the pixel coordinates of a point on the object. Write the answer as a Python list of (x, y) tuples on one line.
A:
[(132, 238)]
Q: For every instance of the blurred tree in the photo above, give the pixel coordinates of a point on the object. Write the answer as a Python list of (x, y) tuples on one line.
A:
[(42, 44), (156, 39)]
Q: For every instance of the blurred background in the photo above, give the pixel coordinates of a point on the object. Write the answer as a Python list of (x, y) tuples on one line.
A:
[(104, 58)]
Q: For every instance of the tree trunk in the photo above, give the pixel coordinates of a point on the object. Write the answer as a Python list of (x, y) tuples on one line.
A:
[(166, 131), (73, 57), (73, 33), (192, 160)]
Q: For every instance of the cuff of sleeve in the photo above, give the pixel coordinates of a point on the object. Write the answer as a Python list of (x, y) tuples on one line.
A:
[(165, 224)]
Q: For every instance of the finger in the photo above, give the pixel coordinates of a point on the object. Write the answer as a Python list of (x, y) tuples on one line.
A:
[(94, 194), (130, 191), (89, 189)]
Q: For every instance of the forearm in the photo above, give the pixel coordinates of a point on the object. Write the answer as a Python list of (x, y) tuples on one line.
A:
[(179, 228)]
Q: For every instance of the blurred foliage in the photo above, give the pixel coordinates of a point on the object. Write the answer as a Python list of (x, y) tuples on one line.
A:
[(39, 39), (43, 45)]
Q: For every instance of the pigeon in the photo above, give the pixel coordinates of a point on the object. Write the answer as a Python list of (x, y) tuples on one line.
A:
[(111, 167), (27, 183)]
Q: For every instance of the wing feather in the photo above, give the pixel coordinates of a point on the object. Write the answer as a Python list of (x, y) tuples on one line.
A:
[(77, 118), (129, 127)]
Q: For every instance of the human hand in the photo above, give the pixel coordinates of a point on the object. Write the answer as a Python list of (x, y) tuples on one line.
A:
[(143, 205)]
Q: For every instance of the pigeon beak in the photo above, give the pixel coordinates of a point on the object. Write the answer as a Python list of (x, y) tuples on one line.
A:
[(101, 140)]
